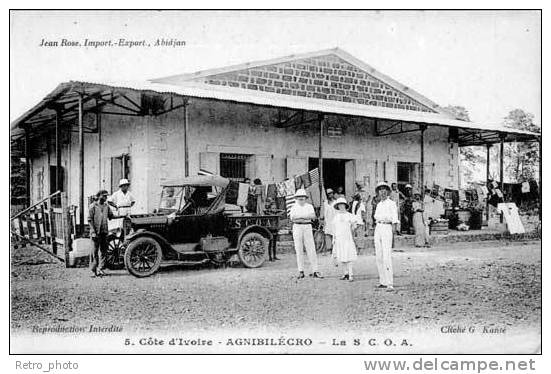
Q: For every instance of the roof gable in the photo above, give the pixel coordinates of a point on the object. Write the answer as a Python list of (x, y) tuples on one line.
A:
[(328, 75)]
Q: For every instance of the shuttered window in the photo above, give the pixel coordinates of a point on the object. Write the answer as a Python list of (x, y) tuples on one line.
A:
[(120, 168)]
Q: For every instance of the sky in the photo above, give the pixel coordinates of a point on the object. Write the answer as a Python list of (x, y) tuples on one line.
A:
[(488, 62)]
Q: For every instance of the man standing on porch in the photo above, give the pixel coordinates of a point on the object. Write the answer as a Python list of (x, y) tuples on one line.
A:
[(386, 219), (302, 214), (122, 200)]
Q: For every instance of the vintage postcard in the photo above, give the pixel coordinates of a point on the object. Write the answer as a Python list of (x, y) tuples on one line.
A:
[(247, 182)]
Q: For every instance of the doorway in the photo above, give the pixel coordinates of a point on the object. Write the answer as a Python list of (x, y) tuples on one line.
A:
[(407, 173), (336, 173)]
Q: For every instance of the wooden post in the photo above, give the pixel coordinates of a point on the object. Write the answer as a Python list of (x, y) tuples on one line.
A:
[(186, 150), (28, 166), (501, 146), (37, 225), (488, 146), (52, 224), (98, 126), (21, 228), (28, 220), (58, 180), (422, 168), (320, 160), (81, 165), (66, 227)]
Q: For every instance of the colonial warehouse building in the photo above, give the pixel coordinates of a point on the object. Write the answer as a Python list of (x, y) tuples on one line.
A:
[(269, 120)]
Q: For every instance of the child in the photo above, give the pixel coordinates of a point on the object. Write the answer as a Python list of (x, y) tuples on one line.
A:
[(344, 247), (358, 209)]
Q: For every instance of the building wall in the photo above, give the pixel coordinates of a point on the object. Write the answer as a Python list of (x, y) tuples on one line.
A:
[(219, 127), (119, 135), (156, 149)]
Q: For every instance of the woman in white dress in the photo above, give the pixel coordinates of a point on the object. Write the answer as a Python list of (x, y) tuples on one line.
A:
[(344, 224)]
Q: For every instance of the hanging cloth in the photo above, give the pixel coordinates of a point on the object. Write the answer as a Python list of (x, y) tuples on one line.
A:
[(281, 189), (271, 192), (305, 179), (242, 194), (298, 182), (289, 187), (289, 202), (232, 192), (314, 195), (314, 175)]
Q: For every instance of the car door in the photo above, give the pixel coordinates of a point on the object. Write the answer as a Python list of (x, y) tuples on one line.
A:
[(187, 228)]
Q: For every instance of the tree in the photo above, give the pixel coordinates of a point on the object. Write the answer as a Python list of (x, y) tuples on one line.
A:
[(18, 190), (522, 158), (469, 157), (460, 112)]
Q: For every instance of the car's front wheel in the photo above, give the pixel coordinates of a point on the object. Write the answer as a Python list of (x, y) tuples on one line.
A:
[(252, 249), (143, 257)]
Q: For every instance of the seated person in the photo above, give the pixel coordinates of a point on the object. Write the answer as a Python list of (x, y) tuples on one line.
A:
[(197, 201)]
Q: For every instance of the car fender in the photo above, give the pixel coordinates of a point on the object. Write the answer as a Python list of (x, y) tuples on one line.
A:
[(255, 228), (165, 245)]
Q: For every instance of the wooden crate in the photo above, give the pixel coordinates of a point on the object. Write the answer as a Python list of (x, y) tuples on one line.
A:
[(439, 228)]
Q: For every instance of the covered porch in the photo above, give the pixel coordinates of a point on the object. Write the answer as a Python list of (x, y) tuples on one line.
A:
[(78, 107)]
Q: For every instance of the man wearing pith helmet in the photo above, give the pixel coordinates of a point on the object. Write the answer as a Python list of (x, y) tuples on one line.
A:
[(301, 215), (386, 220)]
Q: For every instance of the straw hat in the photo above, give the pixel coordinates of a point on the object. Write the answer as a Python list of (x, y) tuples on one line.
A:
[(301, 193), (123, 181), (408, 186), (340, 200)]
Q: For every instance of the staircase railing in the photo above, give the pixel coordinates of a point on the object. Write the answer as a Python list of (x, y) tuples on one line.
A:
[(47, 225)]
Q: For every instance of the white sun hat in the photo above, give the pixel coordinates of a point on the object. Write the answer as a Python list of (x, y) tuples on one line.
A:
[(301, 193), (340, 200), (381, 185), (123, 181)]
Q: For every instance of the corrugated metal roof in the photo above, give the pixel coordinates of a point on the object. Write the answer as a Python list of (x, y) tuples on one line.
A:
[(206, 91), (308, 104)]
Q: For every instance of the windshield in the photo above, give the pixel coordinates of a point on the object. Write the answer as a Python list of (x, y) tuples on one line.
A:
[(171, 198)]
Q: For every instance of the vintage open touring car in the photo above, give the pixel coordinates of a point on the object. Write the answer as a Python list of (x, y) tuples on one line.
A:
[(192, 225)]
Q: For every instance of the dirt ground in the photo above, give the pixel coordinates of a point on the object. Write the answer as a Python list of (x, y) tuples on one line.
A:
[(494, 283)]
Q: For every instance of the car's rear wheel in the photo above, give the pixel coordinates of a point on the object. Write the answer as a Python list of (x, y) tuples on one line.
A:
[(114, 258), (143, 257), (252, 249)]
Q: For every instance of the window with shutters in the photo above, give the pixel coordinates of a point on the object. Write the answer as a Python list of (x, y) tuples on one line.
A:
[(234, 165), (120, 168)]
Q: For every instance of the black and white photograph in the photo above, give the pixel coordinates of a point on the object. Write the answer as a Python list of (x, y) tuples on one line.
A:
[(275, 182)]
